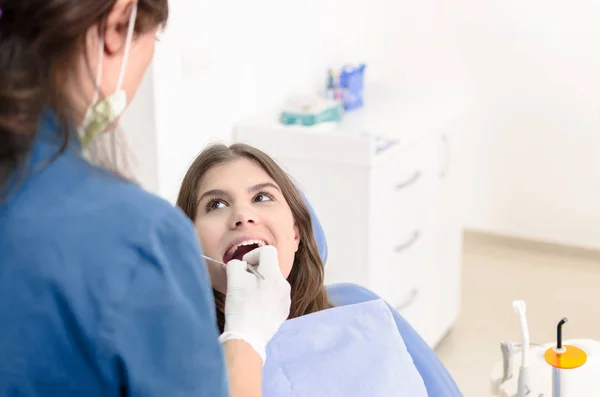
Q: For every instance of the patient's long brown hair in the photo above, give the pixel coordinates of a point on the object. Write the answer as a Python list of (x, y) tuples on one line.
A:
[(306, 278)]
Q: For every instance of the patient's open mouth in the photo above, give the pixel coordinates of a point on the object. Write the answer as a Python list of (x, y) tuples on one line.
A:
[(238, 251)]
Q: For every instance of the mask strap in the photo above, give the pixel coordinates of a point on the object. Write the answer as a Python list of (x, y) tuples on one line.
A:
[(130, 31), (100, 63), (112, 106)]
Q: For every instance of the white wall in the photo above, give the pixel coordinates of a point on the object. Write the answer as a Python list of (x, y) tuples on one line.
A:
[(222, 61), (532, 155), (535, 154), (139, 128)]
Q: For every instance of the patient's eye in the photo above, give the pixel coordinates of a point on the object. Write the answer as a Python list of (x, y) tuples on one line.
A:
[(215, 204), (263, 196)]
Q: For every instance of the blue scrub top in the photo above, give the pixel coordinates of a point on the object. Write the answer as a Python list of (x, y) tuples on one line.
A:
[(102, 288)]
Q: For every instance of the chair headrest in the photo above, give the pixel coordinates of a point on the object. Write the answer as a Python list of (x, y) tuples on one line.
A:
[(317, 230)]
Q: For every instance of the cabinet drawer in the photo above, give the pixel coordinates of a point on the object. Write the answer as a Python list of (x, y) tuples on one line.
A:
[(408, 181), (398, 271), (415, 311)]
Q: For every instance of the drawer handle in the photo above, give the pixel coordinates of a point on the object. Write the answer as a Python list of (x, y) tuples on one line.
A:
[(409, 301), (413, 239), (415, 177)]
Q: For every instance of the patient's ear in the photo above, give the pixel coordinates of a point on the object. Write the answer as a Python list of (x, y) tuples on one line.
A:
[(296, 236)]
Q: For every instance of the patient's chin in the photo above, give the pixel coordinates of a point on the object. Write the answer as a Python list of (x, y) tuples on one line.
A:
[(286, 263)]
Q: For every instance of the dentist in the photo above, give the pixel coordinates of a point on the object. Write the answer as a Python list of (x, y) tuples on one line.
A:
[(102, 288)]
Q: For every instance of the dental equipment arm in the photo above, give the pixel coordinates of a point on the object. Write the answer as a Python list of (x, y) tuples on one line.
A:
[(523, 387)]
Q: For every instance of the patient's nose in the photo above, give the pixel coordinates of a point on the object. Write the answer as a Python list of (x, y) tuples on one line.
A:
[(242, 216)]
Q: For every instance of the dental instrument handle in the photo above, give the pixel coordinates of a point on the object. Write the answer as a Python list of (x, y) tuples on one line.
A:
[(523, 381), (565, 359), (251, 269), (522, 388), (507, 353), (562, 322), (525, 354), (254, 270), (521, 310)]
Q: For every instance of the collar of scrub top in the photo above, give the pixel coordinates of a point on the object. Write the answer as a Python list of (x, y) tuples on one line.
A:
[(50, 139), (46, 146)]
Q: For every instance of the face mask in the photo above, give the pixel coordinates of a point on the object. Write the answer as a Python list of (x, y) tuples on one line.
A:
[(101, 114)]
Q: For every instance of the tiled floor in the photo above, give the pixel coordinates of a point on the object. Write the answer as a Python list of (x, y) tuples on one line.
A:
[(553, 284)]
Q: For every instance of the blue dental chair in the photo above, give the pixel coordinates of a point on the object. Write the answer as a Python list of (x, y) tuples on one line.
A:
[(437, 380)]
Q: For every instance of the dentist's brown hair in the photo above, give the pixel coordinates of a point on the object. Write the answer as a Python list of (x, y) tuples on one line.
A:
[(40, 42), (307, 275)]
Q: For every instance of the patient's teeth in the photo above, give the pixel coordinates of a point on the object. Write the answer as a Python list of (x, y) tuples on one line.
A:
[(260, 243)]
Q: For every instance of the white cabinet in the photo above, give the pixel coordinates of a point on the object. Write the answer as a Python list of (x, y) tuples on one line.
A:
[(386, 205)]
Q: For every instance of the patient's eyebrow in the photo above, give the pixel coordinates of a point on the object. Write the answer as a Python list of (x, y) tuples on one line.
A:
[(213, 192), (262, 186), (223, 193)]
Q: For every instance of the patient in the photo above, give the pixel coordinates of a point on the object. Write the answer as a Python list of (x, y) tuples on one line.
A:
[(239, 199)]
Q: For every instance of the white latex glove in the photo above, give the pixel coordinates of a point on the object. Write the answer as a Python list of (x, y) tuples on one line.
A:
[(255, 308)]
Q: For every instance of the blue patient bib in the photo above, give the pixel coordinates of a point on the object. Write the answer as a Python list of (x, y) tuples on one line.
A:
[(353, 350)]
